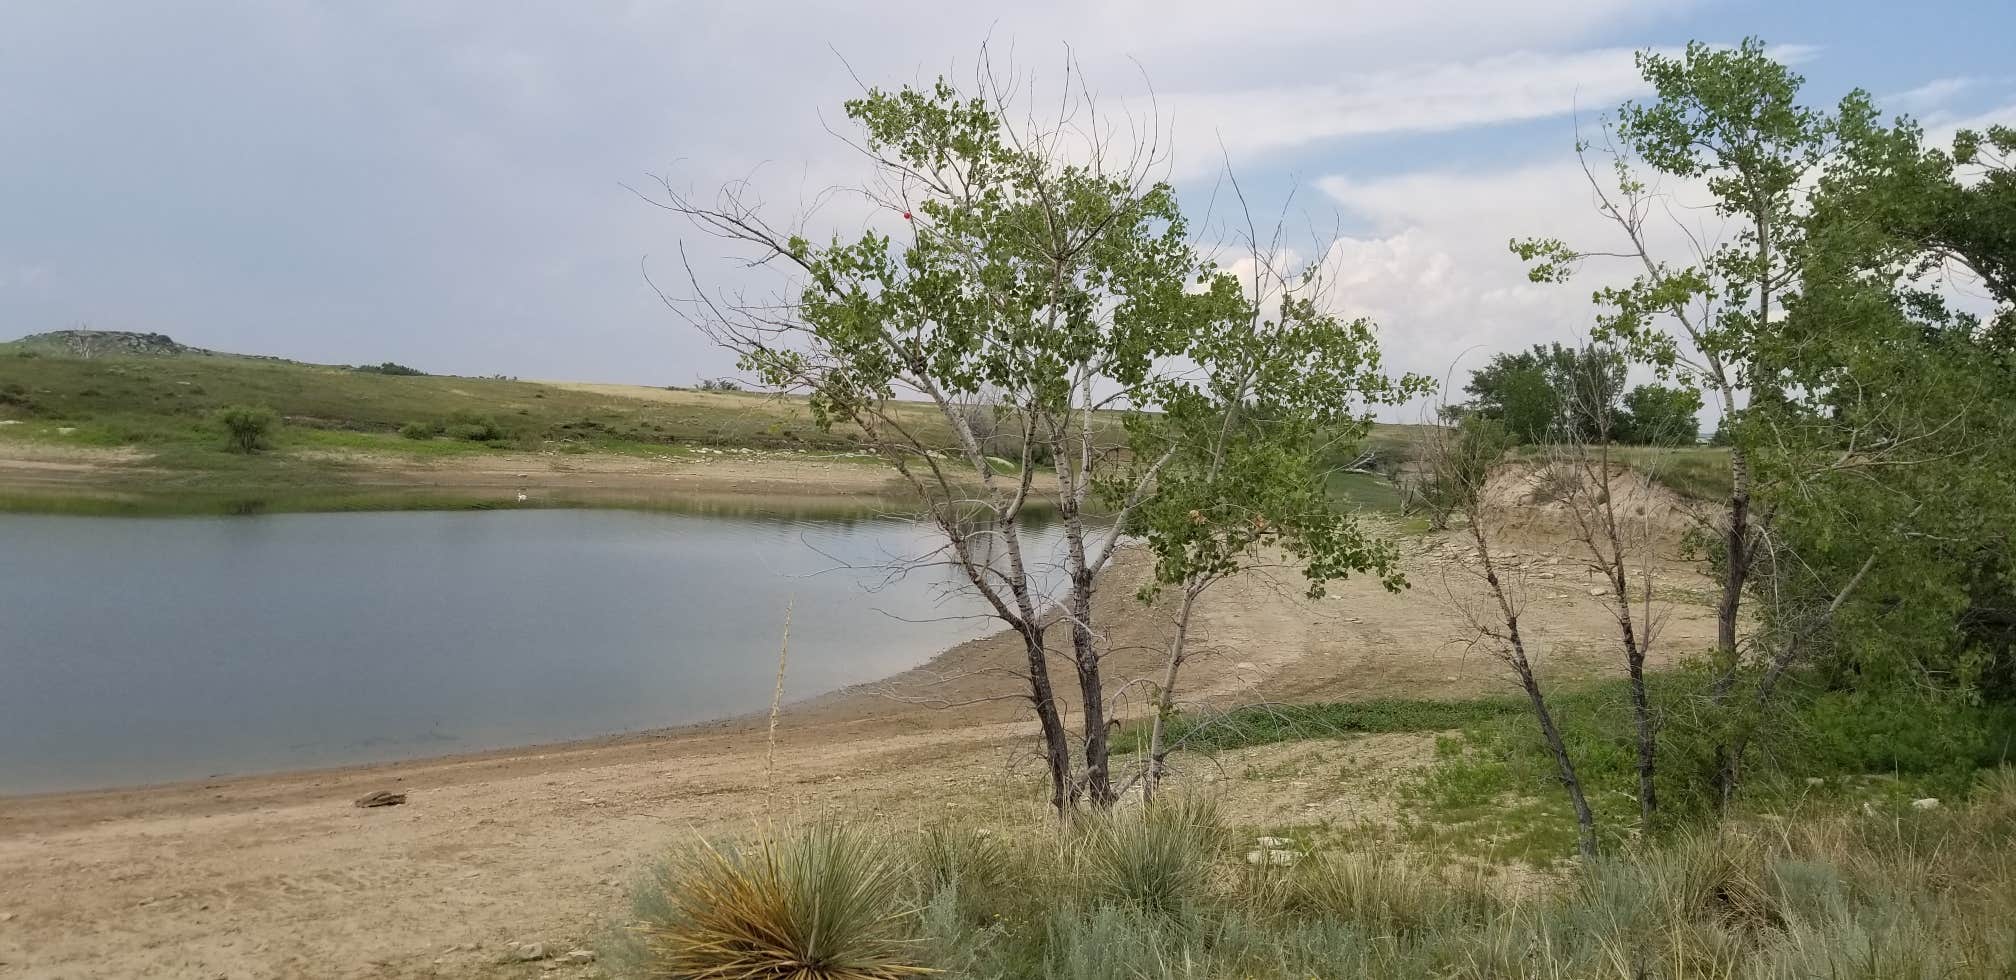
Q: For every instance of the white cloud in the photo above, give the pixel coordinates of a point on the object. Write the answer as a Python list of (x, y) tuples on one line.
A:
[(1941, 127), (1423, 98), (1934, 94), (1434, 269)]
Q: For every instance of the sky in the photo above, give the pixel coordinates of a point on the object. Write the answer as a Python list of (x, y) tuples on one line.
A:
[(445, 184)]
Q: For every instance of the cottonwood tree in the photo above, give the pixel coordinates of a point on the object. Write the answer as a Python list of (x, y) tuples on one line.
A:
[(1038, 267), (1719, 312), (1241, 447)]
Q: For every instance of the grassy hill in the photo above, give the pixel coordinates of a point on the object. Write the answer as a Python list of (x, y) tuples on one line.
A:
[(141, 409)]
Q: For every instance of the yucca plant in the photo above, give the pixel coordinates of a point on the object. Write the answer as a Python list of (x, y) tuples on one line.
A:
[(823, 904), (1157, 859)]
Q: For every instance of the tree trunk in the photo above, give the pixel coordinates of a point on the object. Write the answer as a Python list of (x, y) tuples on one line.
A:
[(1056, 747), (1727, 611), (1641, 710), (1084, 650), (1165, 700), (1585, 820)]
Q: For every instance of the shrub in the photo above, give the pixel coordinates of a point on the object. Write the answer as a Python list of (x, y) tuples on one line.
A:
[(247, 428), (821, 905), (16, 395), (389, 367), (470, 427), (1158, 861), (419, 430)]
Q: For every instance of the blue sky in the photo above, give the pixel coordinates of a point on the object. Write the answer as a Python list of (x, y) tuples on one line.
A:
[(441, 183)]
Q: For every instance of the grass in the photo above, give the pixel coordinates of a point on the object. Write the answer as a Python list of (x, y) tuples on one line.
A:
[(1697, 472), (1694, 472), (1167, 892), (164, 409), (1494, 794), (1268, 724)]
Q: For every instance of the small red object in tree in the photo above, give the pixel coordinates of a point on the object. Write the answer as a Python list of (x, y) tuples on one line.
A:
[(906, 216)]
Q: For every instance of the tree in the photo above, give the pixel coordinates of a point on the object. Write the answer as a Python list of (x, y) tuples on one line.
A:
[(1788, 334), (1660, 415), (1548, 392), (1461, 460), (1038, 269), (1242, 450), (1514, 389), (247, 428), (1581, 467), (1730, 118), (1892, 358)]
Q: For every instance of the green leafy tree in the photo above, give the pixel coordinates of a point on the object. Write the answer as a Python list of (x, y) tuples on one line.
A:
[(1730, 119), (1022, 269), (1896, 364), (1808, 328), (247, 428), (1660, 415), (1242, 454), (1548, 392)]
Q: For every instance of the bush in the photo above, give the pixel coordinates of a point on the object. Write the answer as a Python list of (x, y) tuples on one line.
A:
[(389, 367), (821, 905), (719, 384), (470, 427), (419, 430), (1158, 862), (247, 428), (16, 396)]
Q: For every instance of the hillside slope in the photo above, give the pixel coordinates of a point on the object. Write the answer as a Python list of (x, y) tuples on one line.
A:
[(97, 421)]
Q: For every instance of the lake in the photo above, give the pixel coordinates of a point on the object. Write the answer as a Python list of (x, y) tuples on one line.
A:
[(146, 650)]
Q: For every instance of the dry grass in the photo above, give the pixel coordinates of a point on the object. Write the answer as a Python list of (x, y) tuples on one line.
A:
[(1167, 894)]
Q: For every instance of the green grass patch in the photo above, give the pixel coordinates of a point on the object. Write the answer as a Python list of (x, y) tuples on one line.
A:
[(1271, 723)]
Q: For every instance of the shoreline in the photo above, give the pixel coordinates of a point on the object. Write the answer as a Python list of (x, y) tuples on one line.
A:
[(280, 875), (83, 481)]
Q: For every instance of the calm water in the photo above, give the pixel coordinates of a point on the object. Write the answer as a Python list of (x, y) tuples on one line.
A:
[(143, 650)]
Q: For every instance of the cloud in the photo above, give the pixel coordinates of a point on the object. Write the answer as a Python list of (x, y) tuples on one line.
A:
[(1418, 99), (1934, 94), (1434, 269), (440, 183)]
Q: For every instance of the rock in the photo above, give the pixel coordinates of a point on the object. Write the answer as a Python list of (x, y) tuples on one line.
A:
[(580, 956), (1273, 842), (1270, 858), (6, 916), (1928, 803), (1546, 574), (381, 798), (1815, 781), (529, 952), (1599, 592)]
